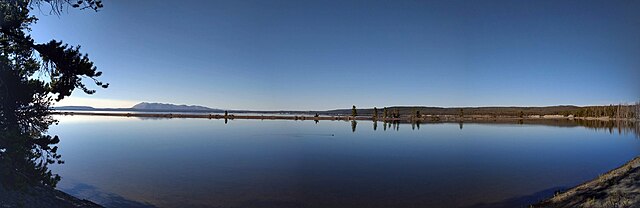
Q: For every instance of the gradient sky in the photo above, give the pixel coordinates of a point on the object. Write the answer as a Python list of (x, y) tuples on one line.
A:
[(317, 55)]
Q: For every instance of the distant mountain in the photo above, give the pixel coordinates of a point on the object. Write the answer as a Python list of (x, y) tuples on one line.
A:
[(170, 107), (74, 108), (144, 106)]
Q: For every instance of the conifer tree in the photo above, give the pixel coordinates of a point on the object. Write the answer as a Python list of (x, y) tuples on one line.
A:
[(26, 99), (354, 112), (375, 113), (384, 113)]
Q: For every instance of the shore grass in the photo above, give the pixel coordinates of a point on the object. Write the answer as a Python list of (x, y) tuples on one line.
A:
[(619, 187)]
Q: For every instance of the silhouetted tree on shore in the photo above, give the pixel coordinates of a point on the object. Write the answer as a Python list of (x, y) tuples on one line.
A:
[(637, 111), (375, 113), (384, 113), (26, 99), (354, 112)]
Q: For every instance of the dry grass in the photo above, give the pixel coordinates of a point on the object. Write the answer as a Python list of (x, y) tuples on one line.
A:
[(617, 188)]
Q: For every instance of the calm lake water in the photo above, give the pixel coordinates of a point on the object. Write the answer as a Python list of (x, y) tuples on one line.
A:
[(133, 162)]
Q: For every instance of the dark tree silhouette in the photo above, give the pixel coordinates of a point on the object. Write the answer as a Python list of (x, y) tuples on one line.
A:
[(354, 112), (637, 110), (384, 113), (25, 100), (375, 113)]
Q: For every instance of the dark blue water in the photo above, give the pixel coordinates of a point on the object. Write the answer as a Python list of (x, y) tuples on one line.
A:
[(130, 162)]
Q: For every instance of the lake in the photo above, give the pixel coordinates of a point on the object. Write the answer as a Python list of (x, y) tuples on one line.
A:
[(133, 162)]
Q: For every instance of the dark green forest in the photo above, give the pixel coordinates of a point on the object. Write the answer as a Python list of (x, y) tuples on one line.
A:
[(611, 111)]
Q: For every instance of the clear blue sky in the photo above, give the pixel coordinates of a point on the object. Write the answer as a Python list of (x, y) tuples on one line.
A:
[(318, 55)]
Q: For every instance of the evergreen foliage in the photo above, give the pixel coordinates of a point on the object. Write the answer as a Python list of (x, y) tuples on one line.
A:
[(354, 112), (375, 113), (25, 99)]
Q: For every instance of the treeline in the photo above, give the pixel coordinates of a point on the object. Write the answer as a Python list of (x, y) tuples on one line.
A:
[(496, 111), (611, 111)]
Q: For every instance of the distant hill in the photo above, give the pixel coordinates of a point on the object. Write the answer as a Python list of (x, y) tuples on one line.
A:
[(170, 107), (145, 106), (74, 108)]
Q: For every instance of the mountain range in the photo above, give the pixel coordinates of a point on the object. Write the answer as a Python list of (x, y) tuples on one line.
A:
[(146, 106), (170, 107)]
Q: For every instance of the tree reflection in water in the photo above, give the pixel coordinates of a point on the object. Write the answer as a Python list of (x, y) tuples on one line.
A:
[(354, 124), (612, 126)]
